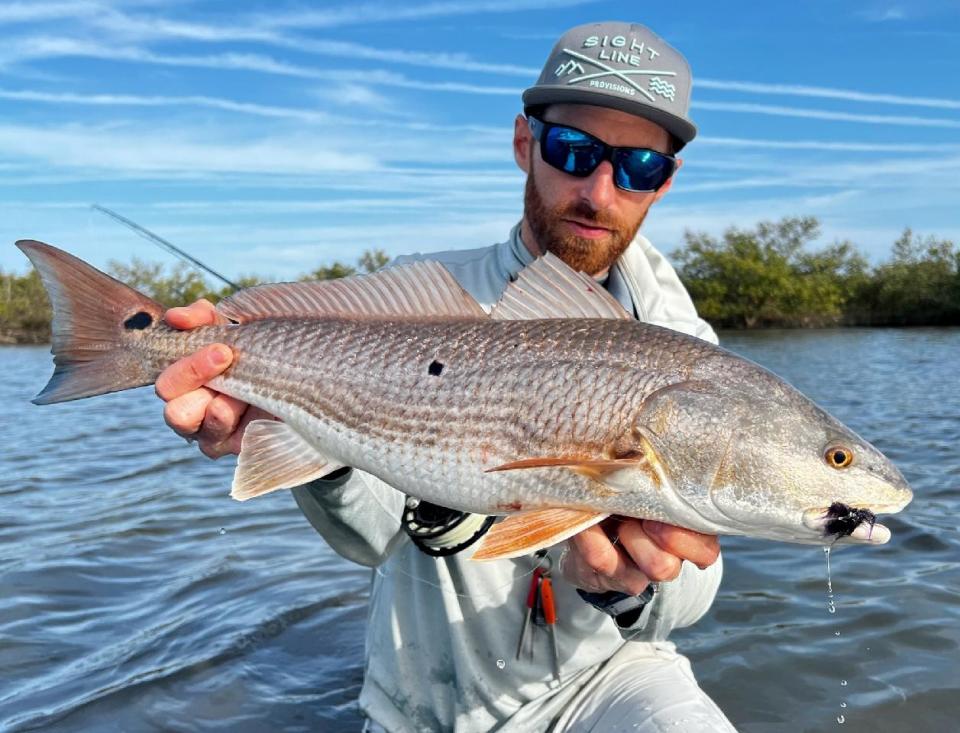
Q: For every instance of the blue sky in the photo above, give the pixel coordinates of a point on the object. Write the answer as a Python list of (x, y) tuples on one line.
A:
[(272, 137)]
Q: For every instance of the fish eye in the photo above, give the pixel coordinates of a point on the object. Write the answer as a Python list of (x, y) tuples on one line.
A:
[(838, 456)]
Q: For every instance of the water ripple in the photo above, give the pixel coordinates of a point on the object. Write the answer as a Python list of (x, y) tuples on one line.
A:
[(125, 607)]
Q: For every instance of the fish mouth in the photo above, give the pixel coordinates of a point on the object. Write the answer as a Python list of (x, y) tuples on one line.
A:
[(850, 525)]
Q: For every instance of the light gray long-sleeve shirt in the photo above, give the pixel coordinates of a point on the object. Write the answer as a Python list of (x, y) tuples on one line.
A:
[(442, 632)]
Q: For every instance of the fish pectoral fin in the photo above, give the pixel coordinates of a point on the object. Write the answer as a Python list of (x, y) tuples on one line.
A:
[(521, 534), (275, 456), (593, 468)]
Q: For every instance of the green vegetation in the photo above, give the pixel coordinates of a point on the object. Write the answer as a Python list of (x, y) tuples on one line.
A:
[(370, 261), (919, 286), (24, 309), (767, 276)]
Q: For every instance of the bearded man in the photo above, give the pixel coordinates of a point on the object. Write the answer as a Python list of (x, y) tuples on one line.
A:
[(597, 142)]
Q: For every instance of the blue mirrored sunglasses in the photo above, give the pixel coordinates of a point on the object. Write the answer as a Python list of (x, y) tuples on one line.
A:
[(579, 153)]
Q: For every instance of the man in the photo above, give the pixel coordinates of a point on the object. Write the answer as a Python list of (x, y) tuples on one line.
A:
[(596, 142)]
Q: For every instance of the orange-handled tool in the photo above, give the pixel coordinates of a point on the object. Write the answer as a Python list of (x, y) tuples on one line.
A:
[(531, 601), (550, 616)]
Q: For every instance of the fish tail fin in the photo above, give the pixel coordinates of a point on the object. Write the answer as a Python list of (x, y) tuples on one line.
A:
[(91, 313)]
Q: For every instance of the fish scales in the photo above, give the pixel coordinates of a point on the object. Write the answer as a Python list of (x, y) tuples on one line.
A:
[(558, 401), (364, 389)]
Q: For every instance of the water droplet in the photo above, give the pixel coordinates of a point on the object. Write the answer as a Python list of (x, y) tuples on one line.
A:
[(836, 633), (841, 720), (501, 664), (830, 607), (826, 554), (843, 704), (223, 530), (843, 683)]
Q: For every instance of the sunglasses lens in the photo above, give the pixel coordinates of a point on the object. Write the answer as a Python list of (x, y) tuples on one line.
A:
[(571, 151), (577, 153), (641, 170)]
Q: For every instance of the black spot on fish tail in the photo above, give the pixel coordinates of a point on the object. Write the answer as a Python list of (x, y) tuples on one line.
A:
[(842, 520), (435, 368), (138, 321)]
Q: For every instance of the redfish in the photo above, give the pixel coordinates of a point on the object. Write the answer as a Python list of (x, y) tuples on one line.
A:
[(557, 408)]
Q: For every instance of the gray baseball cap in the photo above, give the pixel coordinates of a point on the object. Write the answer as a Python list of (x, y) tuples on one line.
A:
[(625, 66)]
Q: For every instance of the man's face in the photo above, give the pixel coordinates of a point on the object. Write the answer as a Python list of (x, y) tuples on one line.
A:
[(587, 222)]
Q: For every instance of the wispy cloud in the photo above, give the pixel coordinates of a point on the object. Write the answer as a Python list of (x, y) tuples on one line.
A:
[(29, 12), (895, 174), (43, 47), (360, 97), (298, 114), (48, 47), (157, 29), (822, 114), (134, 100), (825, 145), (114, 149), (391, 11), (848, 95), (884, 14), (230, 125)]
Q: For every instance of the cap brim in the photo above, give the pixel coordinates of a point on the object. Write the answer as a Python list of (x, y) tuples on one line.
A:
[(677, 126)]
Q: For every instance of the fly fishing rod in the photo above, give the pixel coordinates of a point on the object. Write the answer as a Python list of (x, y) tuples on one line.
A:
[(164, 244)]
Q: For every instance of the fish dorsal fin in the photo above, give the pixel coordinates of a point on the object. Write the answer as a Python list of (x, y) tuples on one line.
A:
[(521, 534), (274, 456), (549, 288), (419, 289)]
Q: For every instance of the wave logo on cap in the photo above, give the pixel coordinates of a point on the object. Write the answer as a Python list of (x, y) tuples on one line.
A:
[(602, 74)]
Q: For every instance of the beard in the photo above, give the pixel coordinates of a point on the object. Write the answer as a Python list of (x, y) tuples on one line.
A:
[(591, 256)]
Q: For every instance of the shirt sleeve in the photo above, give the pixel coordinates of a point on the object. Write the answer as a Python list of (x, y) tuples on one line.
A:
[(357, 514)]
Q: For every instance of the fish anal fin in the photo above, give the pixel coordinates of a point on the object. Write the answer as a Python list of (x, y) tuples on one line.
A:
[(521, 534), (275, 456)]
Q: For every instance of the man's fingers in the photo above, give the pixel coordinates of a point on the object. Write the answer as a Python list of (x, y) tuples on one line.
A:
[(193, 371), (656, 563), (593, 562), (184, 414), (222, 418), (200, 313), (700, 549)]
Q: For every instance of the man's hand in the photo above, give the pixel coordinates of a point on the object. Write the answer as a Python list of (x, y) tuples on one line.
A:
[(214, 420), (626, 555)]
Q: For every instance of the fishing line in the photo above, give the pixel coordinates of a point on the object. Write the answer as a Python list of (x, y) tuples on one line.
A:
[(383, 574)]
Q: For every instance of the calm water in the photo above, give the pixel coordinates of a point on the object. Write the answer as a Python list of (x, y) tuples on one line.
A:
[(135, 595)]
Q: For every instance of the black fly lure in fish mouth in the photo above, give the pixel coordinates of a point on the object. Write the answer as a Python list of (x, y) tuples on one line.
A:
[(842, 520)]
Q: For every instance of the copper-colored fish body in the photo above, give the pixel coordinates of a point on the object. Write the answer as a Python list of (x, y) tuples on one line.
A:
[(557, 407)]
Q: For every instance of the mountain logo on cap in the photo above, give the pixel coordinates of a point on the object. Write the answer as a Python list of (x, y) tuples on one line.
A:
[(659, 86)]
